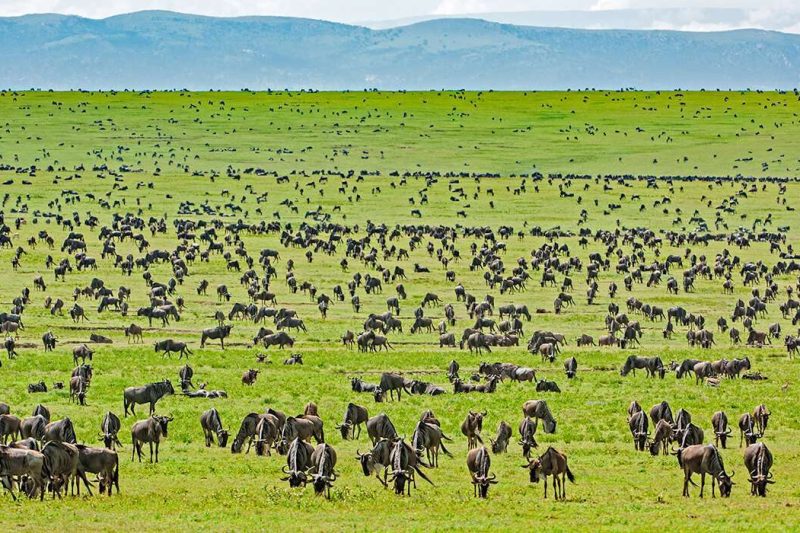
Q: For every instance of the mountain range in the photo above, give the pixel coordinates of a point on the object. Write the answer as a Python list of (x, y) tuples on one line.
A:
[(165, 50)]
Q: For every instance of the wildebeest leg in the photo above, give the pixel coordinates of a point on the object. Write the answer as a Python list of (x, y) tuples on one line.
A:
[(85, 484), (702, 483), (545, 487), (9, 486), (713, 480), (686, 484), (151, 453)]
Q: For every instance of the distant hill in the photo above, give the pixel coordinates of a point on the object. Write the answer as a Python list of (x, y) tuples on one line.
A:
[(160, 50)]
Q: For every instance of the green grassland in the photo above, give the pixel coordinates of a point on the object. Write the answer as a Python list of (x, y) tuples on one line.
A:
[(196, 147)]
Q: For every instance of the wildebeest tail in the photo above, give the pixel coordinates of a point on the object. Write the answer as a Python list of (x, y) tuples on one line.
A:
[(570, 476), (422, 475), (445, 437), (680, 457), (441, 445)]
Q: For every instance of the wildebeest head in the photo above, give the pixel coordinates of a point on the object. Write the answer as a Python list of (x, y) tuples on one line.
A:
[(725, 484), (163, 421), (295, 477), (322, 482), (534, 467), (760, 481), (345, 429), (378, 394), (367, 462), (222, 437)]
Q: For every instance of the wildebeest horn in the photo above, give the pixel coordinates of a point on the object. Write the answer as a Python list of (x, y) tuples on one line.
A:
[(358, 453), (733, 473), (728, 431), (284, 469), (485, 412)]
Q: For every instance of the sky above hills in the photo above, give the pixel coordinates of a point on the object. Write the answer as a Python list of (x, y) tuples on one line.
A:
[(688, 15)]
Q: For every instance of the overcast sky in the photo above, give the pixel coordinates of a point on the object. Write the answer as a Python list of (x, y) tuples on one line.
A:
[(767, 14)]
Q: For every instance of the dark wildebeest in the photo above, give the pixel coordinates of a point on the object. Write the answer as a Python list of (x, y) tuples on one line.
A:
[(747, 431), (761, 416), (758, 461), (704, 459), (60, 431), (354, 416), (247, 431), (639, 430), (500, 442), (391, 382), (323, 462), (380, 427), (652, 366), (9, 428), (571, 367), (149, 431), (134, 333), (267, 433), (212, 425), (478, 463), (19, 463), (661, 438), (169, 346), (249, 376), (33, 427), (633, 408), (538, 410), (551, 463), (150, 393), (279, 339), (721, 430), (218, 332), (429, 437), (109, 429), (185, 374), (61, 464), (686, 367), (452, 371), (81, 352), (527, 436), (298, 462), (471, 428)]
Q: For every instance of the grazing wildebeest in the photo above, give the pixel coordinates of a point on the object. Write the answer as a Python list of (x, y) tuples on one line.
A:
[(686, 367), (704, 459), (652, 365), (551, 463), (758, 461), (150, 393), (49, 341), (721, 430), (639, 430), (391, 382), (538, 409), (747, 430), (298, 462), (323, 462), (471, 428), (380, 427), (109, 428), (527, 436), (478, 464), (429, 437), (500, 442), (247, 431), (169, 346), (452, 371), (547, 386), (9, 428), (23, 463), (99, 461), (571, 367), (60, 431), (218, 332), (149, 431), (661, 438), (266, 433), (61, 464), (211, 423), (354, 416), (83, 353), (279, 339), (761, 416)]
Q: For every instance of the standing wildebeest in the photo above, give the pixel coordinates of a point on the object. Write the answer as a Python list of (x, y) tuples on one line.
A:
[(134, 333), (109, 428), (391, 382), (500, 443), (428, 436), (661, 411), (149, 393), (758, 461), (83, 353), (638, 427), (102, 462), (527, 436), (33, 427), (452, 371), (380, 427), (169, 346), (761, 416), (652, 366), (60, 431), (49, 341), (536, 410), (279, 339), (551, 463), (218, 332), (247, 431), (471, 428), (61, 464), (266, 433), (478, 463), (249, 376), (661, 438), (571, 367), (747, 431), (9, 428), (212, 425), (354, 416), (686, 368), (704, 459), (150, 431), (19, 463), (721, 430), (323, 462), (298, 462)]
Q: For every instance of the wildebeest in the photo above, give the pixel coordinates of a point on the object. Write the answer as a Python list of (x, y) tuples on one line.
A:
[(500, 442), (60, 431), (249, 376), (354, 416), (471, 428), (218, 332), (9, 428), (638, 427), (102, 462), (83, 353), (661, 438), (279, 339), (527, 436), (747, 431), (571, 367), (149, 431), (211, 423), (652, 365), (170, 346), (758, 461), (478, 463), (704, 459), (150, 393), (323, 462), (551, 463), (61, 465), (380, 427), (298, 462), (538, 410), (19, 463), (761, 416), (719, 421), (429, 437), (393, 382), (109, 428)]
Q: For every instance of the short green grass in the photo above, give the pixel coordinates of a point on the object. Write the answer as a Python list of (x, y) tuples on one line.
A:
[(178, 140)]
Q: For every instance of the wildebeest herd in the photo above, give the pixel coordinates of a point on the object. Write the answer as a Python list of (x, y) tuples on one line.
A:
[(113, 283)]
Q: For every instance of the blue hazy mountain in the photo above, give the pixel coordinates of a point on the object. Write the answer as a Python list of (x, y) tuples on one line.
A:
[(153, 49)]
